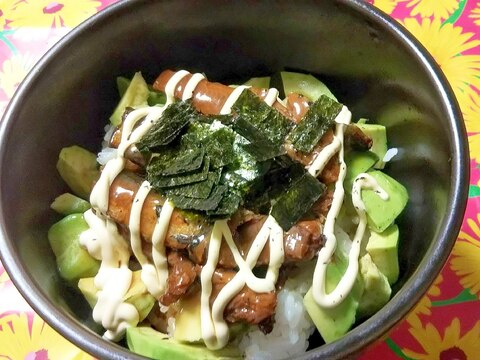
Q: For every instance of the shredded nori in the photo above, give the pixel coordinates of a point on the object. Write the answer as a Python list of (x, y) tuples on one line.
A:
[(210, 203), (198, 190), (319, 118), (176, 161), (159, 182), (290, 206), (214, 164), (175, 117), (255, 121)]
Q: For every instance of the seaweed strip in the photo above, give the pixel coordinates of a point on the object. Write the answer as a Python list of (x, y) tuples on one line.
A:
[(198, 190), (296, 201), (210, 203), (176, 161), (182, 179), (264, 122), (319, 118), (175, 117)]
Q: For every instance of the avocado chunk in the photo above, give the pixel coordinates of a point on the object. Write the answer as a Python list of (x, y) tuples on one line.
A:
[(357, 162), (333, 323), (73, 260), (156, 345), (377, 290), (135, 95), (259, 82), (381, 213), (383, 248), (188, 323), (67, 204), (378, 133), (304, 84), (78, 168), (137, 294)]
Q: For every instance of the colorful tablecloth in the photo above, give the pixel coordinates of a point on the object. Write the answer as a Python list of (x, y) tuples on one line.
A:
[(445, 325)]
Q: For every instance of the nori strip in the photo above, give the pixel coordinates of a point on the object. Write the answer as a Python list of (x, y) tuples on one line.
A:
[(227, 206), (269, 125), (296, 201), (175, 117), (319, 118), (219, 147), (182, 179), (210, 203), (176, 161), (198, 190)]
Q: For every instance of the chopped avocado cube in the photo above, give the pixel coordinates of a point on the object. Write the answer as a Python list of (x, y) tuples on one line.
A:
[(137, 294), (67, 204), (357, 162), (332, 323), (73, 260), (78, 168), (378, 133), (259, 82), (135, 95), (381, 213), (156, 345), (383, 248), (188, 324), (377, 290), (304, 84)]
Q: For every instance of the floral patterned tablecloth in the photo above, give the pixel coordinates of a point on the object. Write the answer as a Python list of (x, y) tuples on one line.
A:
[(445, 325)]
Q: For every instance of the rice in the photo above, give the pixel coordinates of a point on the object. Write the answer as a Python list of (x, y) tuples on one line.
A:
[(292, 327), (107, 153)]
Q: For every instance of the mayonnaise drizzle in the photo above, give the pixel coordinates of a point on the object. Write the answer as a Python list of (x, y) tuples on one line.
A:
[(191, 85), (214, 328), (104, 242), (215, 331), (227, 106), (347, 281)]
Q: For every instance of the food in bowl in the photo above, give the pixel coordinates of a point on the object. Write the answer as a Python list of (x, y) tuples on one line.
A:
[(229, 220)]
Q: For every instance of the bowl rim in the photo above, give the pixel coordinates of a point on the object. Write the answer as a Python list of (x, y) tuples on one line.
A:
[(356, 339)]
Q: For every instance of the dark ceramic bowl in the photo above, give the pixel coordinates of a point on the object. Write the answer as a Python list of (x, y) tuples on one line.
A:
[(370, 63)]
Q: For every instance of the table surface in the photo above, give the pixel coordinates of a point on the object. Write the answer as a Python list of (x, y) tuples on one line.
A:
[(444, 325)]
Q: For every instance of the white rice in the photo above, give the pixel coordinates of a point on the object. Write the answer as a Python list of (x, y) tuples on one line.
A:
[(292, 327), (107, 153)]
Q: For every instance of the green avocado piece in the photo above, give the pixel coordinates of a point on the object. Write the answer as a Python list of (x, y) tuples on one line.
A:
[(383, 248), (304, 84), (135, 95), (188, 324), (78, 168), (378, 133), (377, 290), (156, 345), (357, 162), (73, 260), (259, 82), (333, 323), (381, 213), (67, 204), (137, 294)]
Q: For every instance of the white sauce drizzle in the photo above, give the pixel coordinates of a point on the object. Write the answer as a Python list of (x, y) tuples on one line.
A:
[(103, 241), (191, 85), (214, 328), (325, 254), (271, 96), (215, 331), (227, 107)]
